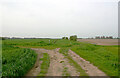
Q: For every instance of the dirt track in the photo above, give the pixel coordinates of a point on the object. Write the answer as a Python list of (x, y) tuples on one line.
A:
[(36, 69), (89, 68), (58, 63), (100, 41)]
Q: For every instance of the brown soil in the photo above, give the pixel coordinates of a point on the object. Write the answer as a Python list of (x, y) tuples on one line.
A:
[(57, 64), (100, 41), (89, 68)]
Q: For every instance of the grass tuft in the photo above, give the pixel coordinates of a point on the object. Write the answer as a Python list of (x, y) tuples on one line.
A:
[(45, 64)]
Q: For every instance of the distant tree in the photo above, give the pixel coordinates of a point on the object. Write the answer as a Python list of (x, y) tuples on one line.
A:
[(66, 38), (63, 37), (118, 37), (73, 38), (111, 37), (80, 38), (97, 37), (107, 37), (3, 38), (103, 37)]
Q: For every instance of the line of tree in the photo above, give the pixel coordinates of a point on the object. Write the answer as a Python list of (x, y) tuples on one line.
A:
[(65, 38), (2, 38), (73, 38), (104, 37)]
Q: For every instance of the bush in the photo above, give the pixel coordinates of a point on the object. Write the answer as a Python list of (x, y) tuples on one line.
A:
[(3, 38), (74, 38), (65, 38)]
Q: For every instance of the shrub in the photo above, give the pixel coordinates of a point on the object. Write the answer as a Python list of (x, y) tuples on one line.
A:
[(3, 38), (74, 38), (65, 38)]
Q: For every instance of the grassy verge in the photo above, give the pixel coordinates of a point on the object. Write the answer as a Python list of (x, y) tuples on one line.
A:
[(45, 64), (64, 51), (104, 57)]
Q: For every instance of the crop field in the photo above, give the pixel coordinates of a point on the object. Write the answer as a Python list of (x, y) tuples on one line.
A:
[(16, 61), (18, 58)]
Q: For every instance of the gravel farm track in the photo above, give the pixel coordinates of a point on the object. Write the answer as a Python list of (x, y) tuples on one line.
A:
[(58, 62)]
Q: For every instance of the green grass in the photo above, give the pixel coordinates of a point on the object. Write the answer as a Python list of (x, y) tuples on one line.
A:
[(64, 51), (104, 57), (0, 58), (17, 61), (39, 43), (65, 72), (45, 64), (77, 66)]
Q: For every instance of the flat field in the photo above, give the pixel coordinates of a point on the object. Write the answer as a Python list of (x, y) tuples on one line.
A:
[(83, 59), (100, 41)]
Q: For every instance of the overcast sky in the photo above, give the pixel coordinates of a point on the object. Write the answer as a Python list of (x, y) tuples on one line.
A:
[(57, 18)]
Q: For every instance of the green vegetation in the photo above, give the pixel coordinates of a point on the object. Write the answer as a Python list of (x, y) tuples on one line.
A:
[(65, 38), (77, 66), (2, 38), (104, 57), (0, 58), (101, 56), (74, 38), (64, 51), (39, 43), (65, 72), (45, 64), (17, 61)]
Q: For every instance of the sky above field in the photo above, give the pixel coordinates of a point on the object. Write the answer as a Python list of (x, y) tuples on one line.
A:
[(57, 18)]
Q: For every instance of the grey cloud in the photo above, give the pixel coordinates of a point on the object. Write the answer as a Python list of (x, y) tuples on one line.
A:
[(56, 18)]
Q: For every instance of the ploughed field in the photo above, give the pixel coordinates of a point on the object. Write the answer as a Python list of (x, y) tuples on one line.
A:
[(57, 57), (100, 41)]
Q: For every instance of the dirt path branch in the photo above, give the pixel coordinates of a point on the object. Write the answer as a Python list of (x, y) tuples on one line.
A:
[(89, 68), (60, 66)]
